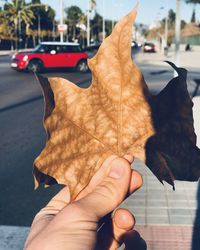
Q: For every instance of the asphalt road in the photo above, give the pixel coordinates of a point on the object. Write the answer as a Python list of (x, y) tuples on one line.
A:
[(22, 135)]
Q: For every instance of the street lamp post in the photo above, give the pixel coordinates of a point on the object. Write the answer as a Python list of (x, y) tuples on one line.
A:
[(88, 24), (20, 30), (39, 28), (103, 24), (61, 20), (177, 32), (166, 23)]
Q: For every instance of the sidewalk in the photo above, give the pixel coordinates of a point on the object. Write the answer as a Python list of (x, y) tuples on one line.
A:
[(10, 53), (188, 60), (164, 218), (5, 52)]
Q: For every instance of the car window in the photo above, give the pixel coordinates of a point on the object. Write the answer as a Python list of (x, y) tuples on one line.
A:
[(41, 48), (47, 48), (70, 48), (59, 49)]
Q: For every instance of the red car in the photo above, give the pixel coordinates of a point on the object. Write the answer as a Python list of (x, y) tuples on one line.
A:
[(51, 55), (149, 47)]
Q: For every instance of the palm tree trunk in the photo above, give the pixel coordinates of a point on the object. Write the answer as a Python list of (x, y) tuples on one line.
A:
[(74, 33)]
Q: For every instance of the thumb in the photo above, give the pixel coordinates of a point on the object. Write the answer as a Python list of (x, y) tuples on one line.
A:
[(110, 192)]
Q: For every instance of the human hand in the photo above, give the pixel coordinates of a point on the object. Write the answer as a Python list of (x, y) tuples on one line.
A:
[(86, 223)]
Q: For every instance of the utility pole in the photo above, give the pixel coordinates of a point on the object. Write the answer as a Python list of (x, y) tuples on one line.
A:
[(39, 28), (166, 23), (88, 24), (20, 30), (177, 32), (61, 20), (103, 28)]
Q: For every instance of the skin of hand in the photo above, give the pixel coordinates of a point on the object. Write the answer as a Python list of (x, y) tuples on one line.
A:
[(86, 222)]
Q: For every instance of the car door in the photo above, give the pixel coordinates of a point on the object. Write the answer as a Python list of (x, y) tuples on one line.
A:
[(71, 55), (59, 56), (74, 55), (51, 56), (64, 56)]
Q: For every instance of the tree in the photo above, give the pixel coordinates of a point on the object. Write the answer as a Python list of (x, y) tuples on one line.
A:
[(193, 1), (193, 17), (36, 2), (16, 14), (171, 17), (44, 19), (74, 14), (96, 26)]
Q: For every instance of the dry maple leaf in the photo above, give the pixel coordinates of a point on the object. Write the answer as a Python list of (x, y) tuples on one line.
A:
[(116, 115)]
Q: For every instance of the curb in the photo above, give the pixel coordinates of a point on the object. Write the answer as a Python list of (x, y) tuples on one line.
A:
[(12, 237)]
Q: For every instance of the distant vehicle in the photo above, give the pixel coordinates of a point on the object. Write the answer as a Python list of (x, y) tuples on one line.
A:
[(149, 47), (134, 44), (51, 55)]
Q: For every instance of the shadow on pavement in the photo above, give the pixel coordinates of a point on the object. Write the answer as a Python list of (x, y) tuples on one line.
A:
[(197, 81), (21, 103), (196, 228), (160, 72)]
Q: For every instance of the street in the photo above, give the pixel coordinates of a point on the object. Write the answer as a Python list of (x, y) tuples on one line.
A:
[(22, 135)]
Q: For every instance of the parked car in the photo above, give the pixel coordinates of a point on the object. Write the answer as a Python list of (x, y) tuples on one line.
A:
[(149, 47), (51, 55)]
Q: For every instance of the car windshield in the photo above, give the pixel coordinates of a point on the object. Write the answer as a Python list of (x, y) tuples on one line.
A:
[(39, 48)]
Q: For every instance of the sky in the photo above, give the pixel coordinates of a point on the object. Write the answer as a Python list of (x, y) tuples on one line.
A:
[(149, 10)]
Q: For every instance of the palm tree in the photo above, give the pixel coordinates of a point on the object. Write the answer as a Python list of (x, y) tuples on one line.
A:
[(194, 2), (74, 15), (16, 13)]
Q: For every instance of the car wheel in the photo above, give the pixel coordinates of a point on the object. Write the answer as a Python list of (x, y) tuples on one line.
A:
[(35, 66), (82, 66)]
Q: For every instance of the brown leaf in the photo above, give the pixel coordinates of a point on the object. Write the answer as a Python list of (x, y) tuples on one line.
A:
[(115, 115)]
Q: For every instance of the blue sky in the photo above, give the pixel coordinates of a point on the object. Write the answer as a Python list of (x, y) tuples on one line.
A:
[(148, 9)]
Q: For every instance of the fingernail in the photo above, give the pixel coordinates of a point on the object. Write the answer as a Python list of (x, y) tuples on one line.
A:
[(116, 172)]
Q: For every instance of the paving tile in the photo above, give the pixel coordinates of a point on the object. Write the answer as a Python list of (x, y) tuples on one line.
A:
[(178, 204), (179, 211), (172, 196), (137, 211), (141, 191), (190, 185), (140, 220), (138, 196), (182, 220), (193, 204), (164, 237), (155, 192), (179, 185), (192, 195), (157, 203), (157, 212), (159, 196), (158, 220), (193, 212), (135, 203)]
